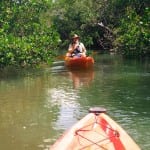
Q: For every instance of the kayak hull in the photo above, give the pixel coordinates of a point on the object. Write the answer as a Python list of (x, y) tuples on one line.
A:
[(79, 62), (95, 132)]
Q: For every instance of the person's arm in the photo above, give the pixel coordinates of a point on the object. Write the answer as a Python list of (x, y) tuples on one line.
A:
[(83, 48), (71, 48)]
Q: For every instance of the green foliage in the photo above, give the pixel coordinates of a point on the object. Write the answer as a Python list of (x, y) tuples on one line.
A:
[(30, 29), (76, 17), (125, 24), (25, 39), (133, 33)]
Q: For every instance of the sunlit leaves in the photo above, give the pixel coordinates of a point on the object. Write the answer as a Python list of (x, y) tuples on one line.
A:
[(24, 39), (134, 33)]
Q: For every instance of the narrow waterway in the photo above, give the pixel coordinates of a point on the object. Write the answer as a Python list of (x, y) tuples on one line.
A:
[(35, 109)]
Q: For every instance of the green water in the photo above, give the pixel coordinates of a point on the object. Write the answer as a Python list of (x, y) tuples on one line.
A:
[(37, 108)]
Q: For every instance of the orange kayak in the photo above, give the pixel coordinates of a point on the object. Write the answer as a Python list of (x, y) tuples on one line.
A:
[(96, 131), (79, 62)]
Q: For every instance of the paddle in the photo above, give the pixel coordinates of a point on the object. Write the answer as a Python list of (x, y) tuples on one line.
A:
[(62, 57)]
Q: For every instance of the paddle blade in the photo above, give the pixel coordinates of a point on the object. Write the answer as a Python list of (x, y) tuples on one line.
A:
[(61, 57)]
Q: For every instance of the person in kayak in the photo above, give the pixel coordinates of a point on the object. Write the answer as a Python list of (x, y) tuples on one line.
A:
[(76, 48)]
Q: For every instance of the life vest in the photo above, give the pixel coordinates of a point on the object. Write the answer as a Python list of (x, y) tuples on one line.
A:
[(77, 51)]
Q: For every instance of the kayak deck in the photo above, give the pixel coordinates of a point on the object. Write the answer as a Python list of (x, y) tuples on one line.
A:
[(95, 132)]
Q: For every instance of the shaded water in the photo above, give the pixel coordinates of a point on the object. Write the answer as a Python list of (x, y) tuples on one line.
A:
[(37, 108)]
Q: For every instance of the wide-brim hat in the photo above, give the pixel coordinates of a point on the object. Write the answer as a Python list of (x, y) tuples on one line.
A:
[(75, 36)]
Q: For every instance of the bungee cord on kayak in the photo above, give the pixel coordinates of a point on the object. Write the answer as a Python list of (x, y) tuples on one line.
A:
[(111, 133)]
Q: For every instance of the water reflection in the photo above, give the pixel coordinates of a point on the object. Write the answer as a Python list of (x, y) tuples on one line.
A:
[(66, 97), (81, 78), (66, 102), (37, 108)]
